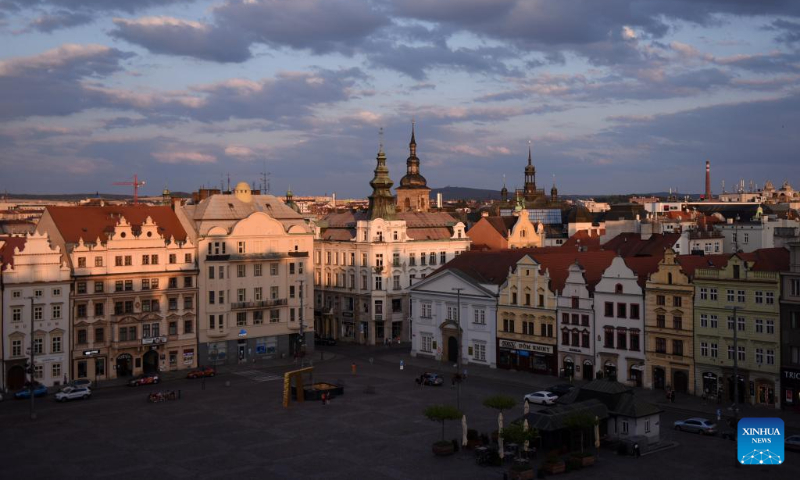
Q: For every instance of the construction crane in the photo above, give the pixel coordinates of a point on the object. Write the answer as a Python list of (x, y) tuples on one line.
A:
[(136, 184)]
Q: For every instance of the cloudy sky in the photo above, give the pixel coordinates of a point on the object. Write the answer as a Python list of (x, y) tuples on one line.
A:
[(615, 95)]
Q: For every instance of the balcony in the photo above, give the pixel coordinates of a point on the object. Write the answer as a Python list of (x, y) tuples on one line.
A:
[(277, 302)]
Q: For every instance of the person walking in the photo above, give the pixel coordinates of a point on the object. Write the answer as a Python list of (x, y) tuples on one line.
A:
[(636, 450), (672, 396), (323, 397)]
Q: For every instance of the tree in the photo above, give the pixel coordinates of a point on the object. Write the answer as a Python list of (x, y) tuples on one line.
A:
[(500, 402), (580, 421), (441, 413), (515, 433)]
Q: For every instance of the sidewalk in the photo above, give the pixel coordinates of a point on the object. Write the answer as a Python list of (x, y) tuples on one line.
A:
[(691, 405)]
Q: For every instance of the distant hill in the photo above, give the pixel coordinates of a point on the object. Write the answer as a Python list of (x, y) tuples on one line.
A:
[(74, 197), (467, 193)]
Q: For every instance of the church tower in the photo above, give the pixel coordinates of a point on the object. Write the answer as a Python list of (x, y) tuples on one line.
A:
[(381, 202), (529, 191), (413, 194)]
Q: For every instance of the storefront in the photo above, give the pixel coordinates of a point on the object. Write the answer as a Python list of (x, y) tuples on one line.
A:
[(711, 386), (526, 356), (790, 388)]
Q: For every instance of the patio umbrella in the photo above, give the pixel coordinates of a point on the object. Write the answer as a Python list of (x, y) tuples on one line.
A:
[(500, 435), (526, 408), (525, 428), (463, 430), (596, 432)]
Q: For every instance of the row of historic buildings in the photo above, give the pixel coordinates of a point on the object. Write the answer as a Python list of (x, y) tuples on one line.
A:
[(658, 320)]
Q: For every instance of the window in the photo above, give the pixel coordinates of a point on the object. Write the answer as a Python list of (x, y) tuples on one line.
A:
[(584, 320), (585, 339), (211, 295), (712, 294), (661, 300), (479, 351), (730, 322), (98, 261), (704, 320), (56, 312), (770, 357), (442, 257), (211, 322), (128, 285), (770, 298), (426, 309), (759, 325), (771, 327), (16, 348), (622, 310), (795, 355), (56, 370), (274, 292), (257, 270), (38, 371), (677, 301), (154, 259), (172, 303), (622, 339), (187, 282), (759, 297), (609, 338), (81, 262), (188, 302), (634, 311), (241, 319), (677, 323), (118, 261), (273, 269), (16, 314), (221, 297), (241, 247), (661, 345), (173, 259), (38, 344), (433, 258), (677, 347), (576, 302), (257, 293), (703, 293), (740, 296), (274, 316), (740, 324), (258, 317), (81, 310), (82, 337), (145, 259), (527, 299), (145, 284), (422, 259), (795, 287), (741, 353), (221, 272), (713, 321), (541, 300), (661, 321), (99, 335), (508, 325), (291, 315), (396, 282), (759, 356), (703, 349), (714, 350), (378, 283), (364, 260), (16, 294), (427, 343), (609, 309), (55, 344), (81, 288), (634, 334), (412, 259), (730, 296), (624, 427), (241, 271)]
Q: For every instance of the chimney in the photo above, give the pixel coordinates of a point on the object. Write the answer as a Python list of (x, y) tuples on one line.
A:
[(708, 181)]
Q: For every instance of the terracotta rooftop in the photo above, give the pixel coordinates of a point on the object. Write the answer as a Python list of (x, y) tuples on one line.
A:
[(7, 250), (594, 263), (341, 226), (631, 244), (582, 238), (91, 223), (768, 259), (690, 263), (503, 225)]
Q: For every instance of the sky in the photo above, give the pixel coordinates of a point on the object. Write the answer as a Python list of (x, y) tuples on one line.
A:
[(613, 96)]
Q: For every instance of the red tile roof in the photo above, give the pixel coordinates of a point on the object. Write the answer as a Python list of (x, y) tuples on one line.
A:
[(7, 250), (582, 238), (690, 263), (594, 263), (503, 225), (91, 223), (768, 259), (643, 267), (631, 244)]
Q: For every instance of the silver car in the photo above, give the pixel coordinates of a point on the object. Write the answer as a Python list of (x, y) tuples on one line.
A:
[(702, 426), (73, 393)]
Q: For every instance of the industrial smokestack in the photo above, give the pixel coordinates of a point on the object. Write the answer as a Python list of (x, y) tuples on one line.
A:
[(708, 181)]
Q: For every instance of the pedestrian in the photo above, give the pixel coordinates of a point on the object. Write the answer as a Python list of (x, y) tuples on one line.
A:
[(672, 397), (465, 374), (636, 450), (323, 398)]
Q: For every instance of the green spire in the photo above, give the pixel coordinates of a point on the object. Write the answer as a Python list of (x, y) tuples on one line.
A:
[(381, 202)]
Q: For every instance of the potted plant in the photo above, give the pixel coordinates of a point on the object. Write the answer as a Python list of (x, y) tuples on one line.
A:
[(442, 413), (585, 458), (499, 403), (516, 433), (554, 464)]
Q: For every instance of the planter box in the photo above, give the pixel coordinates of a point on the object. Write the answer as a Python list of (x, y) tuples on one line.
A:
[(586, 461), (443, 450), (522, 474), (553, 468)]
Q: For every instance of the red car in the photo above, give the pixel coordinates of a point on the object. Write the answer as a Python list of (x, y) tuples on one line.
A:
[(144, 379), (201, 372)]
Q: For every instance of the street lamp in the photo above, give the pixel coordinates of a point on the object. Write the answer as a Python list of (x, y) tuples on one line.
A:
[(458, 359), (735, 361)]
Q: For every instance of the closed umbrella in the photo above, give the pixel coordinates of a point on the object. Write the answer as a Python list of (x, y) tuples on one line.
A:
[(597, 433), (463, 430), (500, 435), (526, 408), (525, 429)]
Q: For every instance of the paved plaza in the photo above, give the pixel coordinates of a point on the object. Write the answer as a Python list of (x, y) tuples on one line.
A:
[(237, 428)]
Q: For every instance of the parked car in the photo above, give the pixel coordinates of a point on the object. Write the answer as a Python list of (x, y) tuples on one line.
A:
[(144, 379), (39, 390), (702, 426), (73, 393), (324, 340), (792, 442), (428, 378), (543, 398), (80, 383), (561, 389), (201, 372)]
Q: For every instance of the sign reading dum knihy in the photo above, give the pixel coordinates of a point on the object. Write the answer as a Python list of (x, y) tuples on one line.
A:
[(760, 441)]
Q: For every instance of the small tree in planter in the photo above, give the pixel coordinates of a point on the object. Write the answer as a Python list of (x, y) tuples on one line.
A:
[(554, 464), (499, 403), (580, 421), (442, 413), (515, 433)]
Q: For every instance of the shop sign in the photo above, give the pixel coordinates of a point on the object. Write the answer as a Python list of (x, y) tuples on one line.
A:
[(154, 340), (575, 350), (532, 347), (793, 375)]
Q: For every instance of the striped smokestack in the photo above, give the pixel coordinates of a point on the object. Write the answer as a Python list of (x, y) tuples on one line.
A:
[(708, 181)]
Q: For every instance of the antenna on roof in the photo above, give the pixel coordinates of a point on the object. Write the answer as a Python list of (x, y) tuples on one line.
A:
[(265, 179)]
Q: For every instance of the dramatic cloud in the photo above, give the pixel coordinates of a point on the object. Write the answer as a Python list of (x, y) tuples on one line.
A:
[(184, 157), (48, 22), (51, 83), (174, 36)]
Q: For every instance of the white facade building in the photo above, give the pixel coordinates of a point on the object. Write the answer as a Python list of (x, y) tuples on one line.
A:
[(619, 323), (253, 258), (576, 351), (34, 275)]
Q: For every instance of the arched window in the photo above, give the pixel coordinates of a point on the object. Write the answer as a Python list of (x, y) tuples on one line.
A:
[(618, 289)]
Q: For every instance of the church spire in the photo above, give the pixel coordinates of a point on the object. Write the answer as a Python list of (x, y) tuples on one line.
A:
[(529, 152), (381, 202), (412, 146)]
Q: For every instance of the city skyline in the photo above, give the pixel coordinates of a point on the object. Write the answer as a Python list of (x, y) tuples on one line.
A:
[(630, 96)]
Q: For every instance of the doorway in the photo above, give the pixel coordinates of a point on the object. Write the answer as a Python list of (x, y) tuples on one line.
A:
[(659, 378), (16, 377), (680, 381), (452, 350), (588, 370), (150, 362), (124, 365), (242, 350)]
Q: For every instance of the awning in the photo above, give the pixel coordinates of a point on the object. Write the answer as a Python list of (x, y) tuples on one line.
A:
[(638, 367)]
